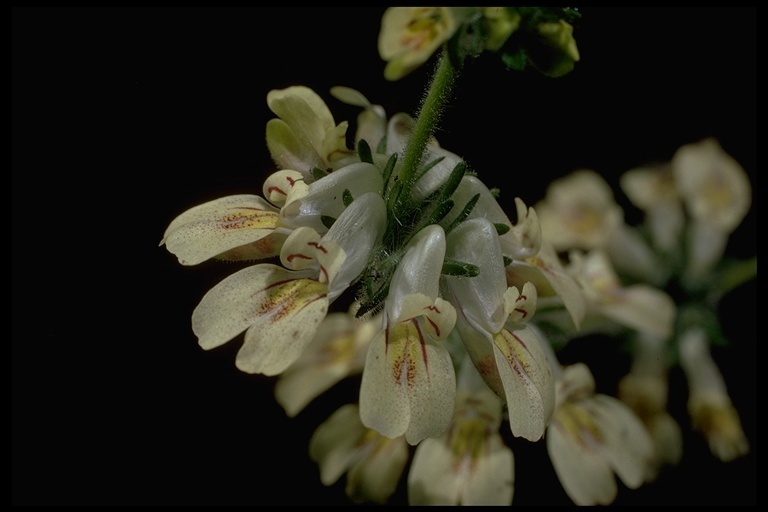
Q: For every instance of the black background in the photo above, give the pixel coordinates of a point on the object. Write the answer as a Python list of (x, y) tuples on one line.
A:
[(125, 117)]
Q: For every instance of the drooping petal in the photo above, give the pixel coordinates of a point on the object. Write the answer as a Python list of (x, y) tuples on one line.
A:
[(432, 479), (334, 445), (584, 474), (372, 121), (492, 480), (281, 310), (627, 444), (408, 385), (337, 351), (375, 478), (527, 378), (210, 229)]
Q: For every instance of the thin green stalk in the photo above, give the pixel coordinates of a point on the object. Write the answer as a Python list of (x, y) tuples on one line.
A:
[(432, 107)]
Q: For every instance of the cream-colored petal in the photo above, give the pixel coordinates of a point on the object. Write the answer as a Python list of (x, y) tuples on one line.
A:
[(217, 226), (304, 111), (520, 305), (334, 146), (281, 184), (334, 445), (375, 477), (492, 480), (337, 351), (527, 378), (546, 272), (714, 185), (626, 443), (408, 386), (280, 309), (584, 474), (644, 308), (289, 151), (431, 478)]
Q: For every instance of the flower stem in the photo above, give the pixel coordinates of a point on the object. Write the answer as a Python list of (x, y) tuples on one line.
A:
[(432, 106)]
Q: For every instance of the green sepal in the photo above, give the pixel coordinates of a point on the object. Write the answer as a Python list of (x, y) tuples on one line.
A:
[(327, 220), (318, 173), (501, 228), (364, 151), (459, 268), (346, 197), (463, 214)]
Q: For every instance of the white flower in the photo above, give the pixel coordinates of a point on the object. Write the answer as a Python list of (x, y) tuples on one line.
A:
[(409, 385), (373, 463), (337, 351), (235, 228), (637, 306), (469, 464), (305, 135), (712, 412), (591, 437), (645, 390), (505, 351), (281, 308)]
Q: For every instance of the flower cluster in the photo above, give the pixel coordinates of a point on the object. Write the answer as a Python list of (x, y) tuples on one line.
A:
[(455, 312)]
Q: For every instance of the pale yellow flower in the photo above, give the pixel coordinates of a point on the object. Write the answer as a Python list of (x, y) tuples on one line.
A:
[(645, 390), (373, 463), (337, 351), (304, 135), (717, 195), (410, 35), (638, 306), (712, 412), (469, 464), (579, 212), (591, 437)]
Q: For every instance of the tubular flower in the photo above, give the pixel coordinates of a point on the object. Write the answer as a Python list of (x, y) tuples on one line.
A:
[(712, 412), (717, 195), (469, 464), (645, 390), (373, 463), (591, 437), (305, 135), (337, 351), (409, 384), (280, 308)]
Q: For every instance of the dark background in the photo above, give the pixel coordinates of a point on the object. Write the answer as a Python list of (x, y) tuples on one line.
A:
[(125, 117)]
